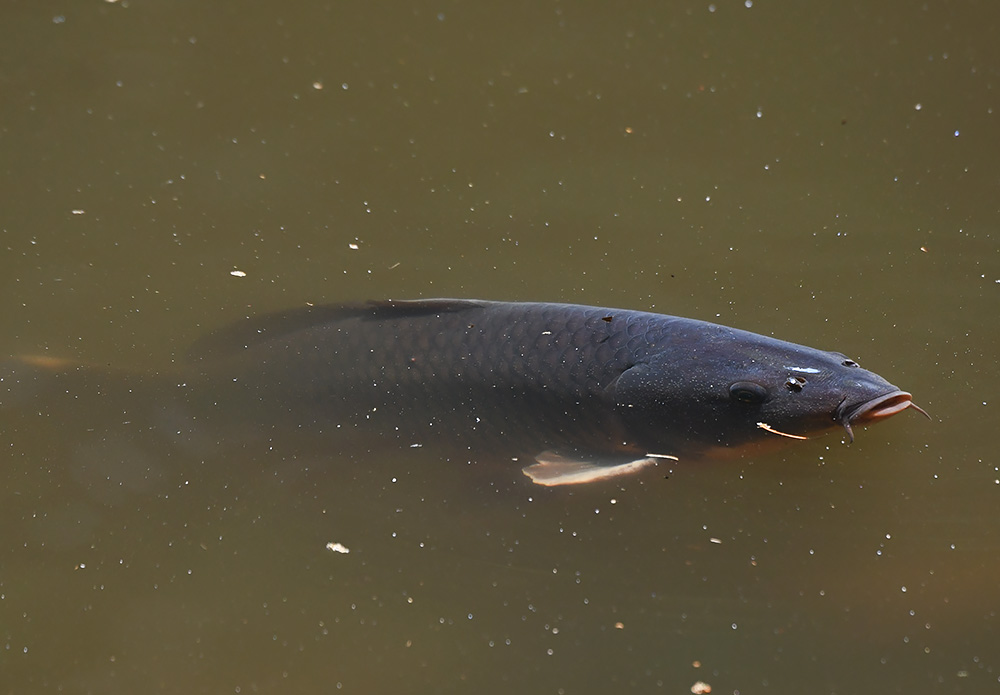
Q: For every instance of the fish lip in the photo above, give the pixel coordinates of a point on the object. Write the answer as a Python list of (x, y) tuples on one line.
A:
[(874, 409)]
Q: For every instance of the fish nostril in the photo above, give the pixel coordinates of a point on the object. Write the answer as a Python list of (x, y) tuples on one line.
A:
[(795, 383), (850, 363)]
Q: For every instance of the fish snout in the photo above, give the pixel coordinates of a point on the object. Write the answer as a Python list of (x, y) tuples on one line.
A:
[(877, 408)]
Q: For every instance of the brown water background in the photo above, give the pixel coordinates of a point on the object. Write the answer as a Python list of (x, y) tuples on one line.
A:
[(825, 173)]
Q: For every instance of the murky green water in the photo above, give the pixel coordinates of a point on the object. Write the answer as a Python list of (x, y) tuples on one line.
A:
[(826, 175)]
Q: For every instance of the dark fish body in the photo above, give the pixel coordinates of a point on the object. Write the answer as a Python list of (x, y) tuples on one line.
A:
[(592, 387), (587, 392)]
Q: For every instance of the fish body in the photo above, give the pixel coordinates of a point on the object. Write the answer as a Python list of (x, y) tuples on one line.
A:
[(596, 392)]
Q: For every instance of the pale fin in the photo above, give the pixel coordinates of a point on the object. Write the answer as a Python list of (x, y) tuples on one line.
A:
[(51, 364), (555, 469)]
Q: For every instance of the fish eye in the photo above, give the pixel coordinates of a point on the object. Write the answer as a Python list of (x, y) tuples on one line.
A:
[(747, 392), (850, 363)]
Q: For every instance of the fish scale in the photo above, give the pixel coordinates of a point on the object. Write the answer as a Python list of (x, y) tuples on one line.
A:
[(572, 377), (589, 392), (519, 368)]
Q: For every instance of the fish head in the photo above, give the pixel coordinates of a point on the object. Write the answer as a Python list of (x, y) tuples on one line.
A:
[(720, 387)]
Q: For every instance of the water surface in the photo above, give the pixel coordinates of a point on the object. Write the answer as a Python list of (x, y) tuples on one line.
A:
[(824, 175)]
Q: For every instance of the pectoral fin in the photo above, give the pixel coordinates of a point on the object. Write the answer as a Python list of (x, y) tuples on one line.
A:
[(555, 469)]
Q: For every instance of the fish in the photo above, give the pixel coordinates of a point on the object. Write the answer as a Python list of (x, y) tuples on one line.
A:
[(601, 392), (587, 393)]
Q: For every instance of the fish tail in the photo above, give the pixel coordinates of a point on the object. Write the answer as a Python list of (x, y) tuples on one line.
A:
[(39, 385)]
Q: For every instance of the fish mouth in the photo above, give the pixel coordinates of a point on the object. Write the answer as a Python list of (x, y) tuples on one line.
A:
[(875, 409)]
